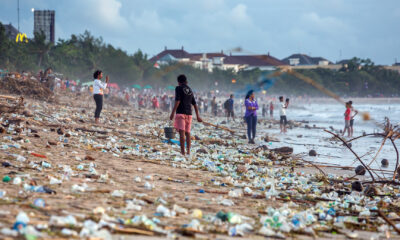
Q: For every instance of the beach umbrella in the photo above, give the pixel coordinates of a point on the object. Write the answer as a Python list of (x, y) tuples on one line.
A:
[(148, 87), (170, 87), (88, 83), (137, 86)]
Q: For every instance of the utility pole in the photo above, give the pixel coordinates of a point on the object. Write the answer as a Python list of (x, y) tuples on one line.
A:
[(18, 14)]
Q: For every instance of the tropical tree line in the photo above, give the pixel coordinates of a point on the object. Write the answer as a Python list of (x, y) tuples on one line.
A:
[(80, 55)]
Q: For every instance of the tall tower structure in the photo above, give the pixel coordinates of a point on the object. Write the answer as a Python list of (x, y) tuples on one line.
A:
[(44, 21)]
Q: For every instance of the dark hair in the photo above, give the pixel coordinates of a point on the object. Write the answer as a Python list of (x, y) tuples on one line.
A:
[(97, 74), (249, 94), (231, 95), (350, 102), (182, 79), (281, 98)]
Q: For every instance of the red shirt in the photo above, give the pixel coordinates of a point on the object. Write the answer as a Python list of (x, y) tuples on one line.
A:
[(347, 114)]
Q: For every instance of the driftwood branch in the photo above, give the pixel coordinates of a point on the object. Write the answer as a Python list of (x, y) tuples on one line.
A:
[(397, 159), (355, 154), (387, 220), (218, 126)]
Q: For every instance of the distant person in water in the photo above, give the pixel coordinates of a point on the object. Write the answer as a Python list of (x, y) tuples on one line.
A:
[(264, 110), (282, 112), (228, 105), (347, 118), (98, 89), (251, 115), (352, 115), (214, 106), (271, 110), (184, 99)]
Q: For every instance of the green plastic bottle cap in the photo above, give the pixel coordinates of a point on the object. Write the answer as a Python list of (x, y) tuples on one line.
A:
[(6, 179)]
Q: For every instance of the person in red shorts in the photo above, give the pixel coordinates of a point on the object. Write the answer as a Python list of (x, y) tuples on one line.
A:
[(184, 99), (347, 118)]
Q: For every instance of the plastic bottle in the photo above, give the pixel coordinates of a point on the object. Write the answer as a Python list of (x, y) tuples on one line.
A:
[(2, 193), (46, 164), (21, 221)]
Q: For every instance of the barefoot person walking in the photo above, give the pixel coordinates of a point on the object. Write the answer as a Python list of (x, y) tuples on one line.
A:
[(98, 91), (184, 100)]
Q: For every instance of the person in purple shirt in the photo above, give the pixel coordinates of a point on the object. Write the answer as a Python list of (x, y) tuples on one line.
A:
[(251, 115)]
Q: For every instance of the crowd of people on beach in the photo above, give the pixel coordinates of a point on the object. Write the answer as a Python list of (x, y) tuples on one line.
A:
[(181, 105), (212, 103)]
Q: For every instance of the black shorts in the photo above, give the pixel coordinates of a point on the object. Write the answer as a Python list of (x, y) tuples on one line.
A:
[(230, 113), (283, 120), (351, 122)]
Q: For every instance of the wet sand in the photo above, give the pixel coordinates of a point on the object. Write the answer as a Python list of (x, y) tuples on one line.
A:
[(173, 181)]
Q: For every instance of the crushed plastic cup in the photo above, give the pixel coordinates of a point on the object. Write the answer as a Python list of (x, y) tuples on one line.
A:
[(148, 186), (197, 213), (61, 220), (9, 232), (17, 181), (234, 218), (240, 230), (118, 193), (149, 177), (19, 158), (39, 202), (79, 188), (236, 193), (248, 190), (227, 202), (164, 212), (132, 206), (54, 180), (180, 209), (68, 232)]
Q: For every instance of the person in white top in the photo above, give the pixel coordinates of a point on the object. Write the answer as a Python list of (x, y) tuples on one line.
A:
[(282, 112), (98, 89)]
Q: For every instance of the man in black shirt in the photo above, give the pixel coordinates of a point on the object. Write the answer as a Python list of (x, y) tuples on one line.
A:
[(184, 99)]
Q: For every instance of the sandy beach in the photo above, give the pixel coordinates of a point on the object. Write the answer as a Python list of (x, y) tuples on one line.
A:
[(122, 169)]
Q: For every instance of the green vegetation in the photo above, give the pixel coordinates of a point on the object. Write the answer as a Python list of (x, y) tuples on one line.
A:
[(360, 78), (79, 56)]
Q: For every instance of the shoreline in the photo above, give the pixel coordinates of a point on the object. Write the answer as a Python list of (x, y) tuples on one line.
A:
[(129, 146)]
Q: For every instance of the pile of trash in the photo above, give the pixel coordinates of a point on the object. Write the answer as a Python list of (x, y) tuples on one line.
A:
[(114, 100), (27, 87), (10, 104), (65, 177)]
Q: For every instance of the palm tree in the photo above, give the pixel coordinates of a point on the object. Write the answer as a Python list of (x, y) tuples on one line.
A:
[(40, 46)]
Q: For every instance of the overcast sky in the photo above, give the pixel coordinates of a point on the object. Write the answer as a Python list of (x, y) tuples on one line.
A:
[(334, 29)]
